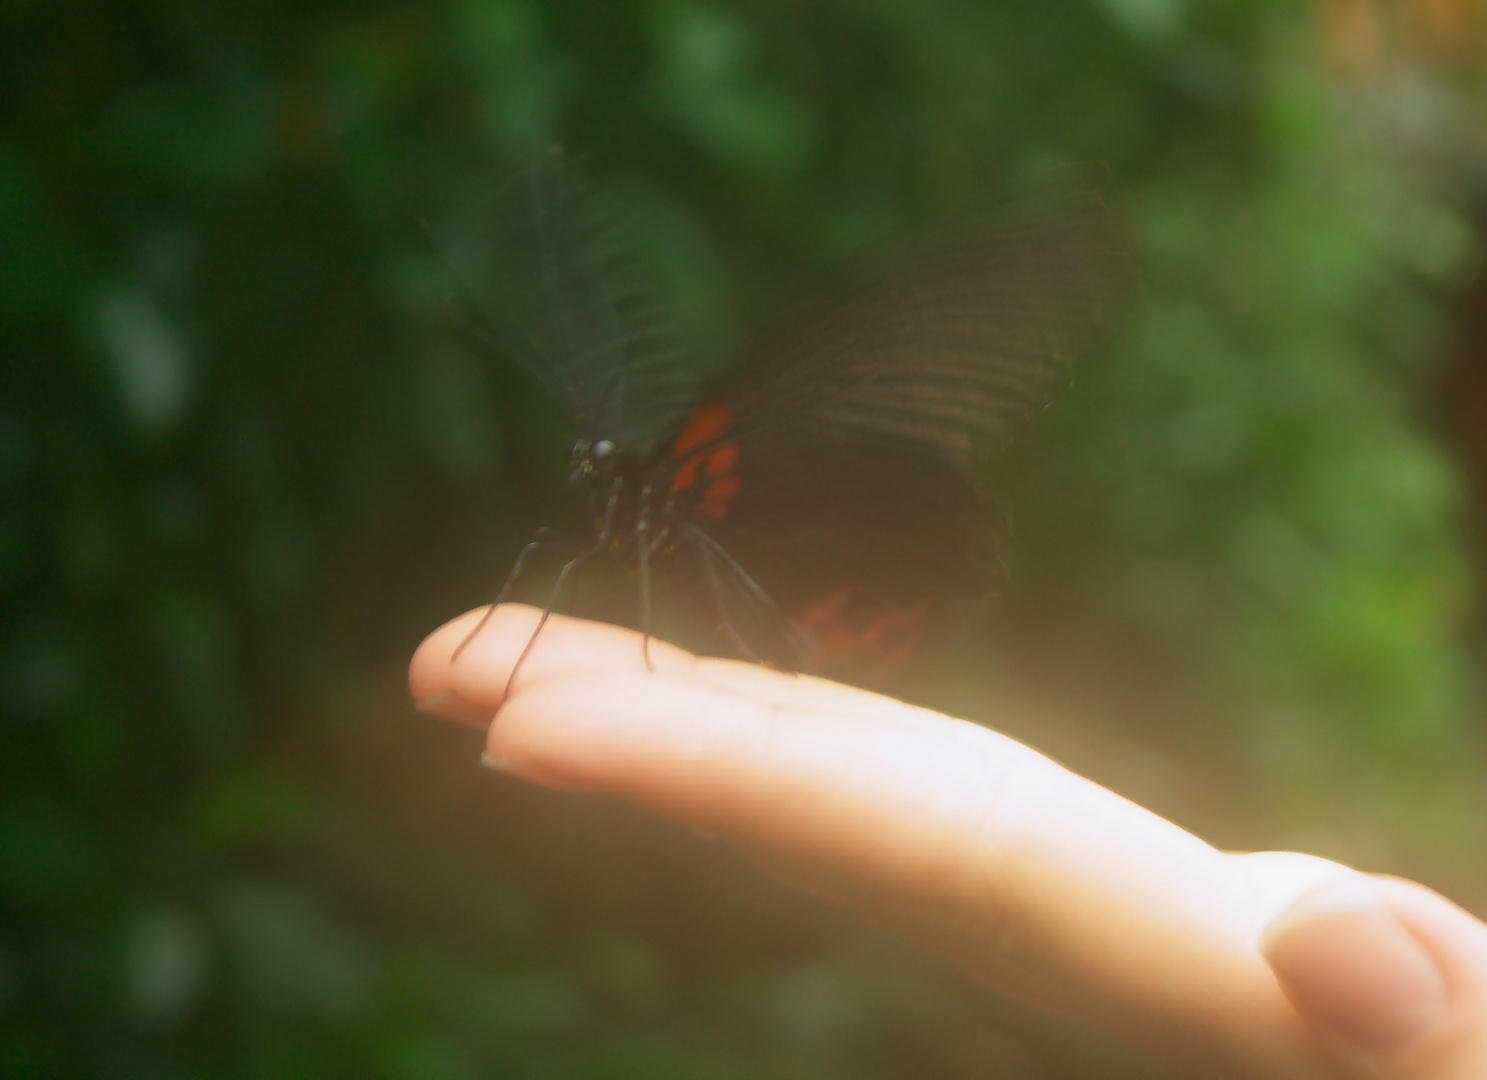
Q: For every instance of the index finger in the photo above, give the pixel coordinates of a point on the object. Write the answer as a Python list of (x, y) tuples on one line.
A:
[(1047, 885)]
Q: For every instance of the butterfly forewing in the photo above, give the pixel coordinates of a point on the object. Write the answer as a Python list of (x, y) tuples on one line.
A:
[(561, 293), (956, 350)]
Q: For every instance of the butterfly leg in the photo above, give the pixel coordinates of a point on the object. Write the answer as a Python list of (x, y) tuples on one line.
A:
[(600, 543), (545, 540), (720, 606), (643, 550), (564, 574), (570, 601), (750, 588)]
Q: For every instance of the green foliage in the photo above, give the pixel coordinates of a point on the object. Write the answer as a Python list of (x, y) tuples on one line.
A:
[(246, 464)]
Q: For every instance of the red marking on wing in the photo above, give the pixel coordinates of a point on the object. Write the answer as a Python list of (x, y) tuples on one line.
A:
[(716, 462), (686, 476), (715, 501), (866, 641), (721, 461), (706, 424)]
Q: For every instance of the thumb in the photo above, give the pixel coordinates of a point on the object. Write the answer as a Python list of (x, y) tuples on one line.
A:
[(1389, 976)]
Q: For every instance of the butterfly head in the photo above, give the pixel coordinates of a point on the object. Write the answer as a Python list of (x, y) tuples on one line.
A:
[(596, 463)]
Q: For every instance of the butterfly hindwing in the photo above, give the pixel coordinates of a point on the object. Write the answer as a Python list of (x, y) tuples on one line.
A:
[(839, 466), (862, 545)]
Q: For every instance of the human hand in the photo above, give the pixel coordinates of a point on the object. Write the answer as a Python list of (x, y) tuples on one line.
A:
[(1047, 886)]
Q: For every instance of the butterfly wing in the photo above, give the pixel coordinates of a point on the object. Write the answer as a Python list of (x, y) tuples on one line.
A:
[(559, 291), (955, 350), (839, 468)]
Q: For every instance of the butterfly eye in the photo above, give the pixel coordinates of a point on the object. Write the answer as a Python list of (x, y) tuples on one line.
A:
[(602, 449)]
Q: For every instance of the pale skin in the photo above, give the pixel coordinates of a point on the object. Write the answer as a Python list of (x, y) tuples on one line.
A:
[(1048, 887)]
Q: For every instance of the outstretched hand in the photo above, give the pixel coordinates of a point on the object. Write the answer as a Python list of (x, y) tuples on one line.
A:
[(1047, 886)]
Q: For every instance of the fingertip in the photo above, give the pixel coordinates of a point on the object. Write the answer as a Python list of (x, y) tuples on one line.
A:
[(440, 684), (428, 673), (465, 669)]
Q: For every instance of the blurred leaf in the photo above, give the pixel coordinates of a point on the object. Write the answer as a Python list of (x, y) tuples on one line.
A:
[(149, 361), (167, 964)]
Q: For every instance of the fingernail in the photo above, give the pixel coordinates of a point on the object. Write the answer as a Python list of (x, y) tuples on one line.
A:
[(449, 705), (1353, 970), (431, 704), (508, 767)]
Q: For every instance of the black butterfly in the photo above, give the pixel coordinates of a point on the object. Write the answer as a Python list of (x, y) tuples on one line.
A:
[(823, 495)]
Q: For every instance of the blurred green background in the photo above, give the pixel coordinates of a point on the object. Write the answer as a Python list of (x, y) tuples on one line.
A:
[(247, 463)]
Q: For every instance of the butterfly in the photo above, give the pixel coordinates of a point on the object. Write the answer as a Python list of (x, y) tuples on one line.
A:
[(822, 497)]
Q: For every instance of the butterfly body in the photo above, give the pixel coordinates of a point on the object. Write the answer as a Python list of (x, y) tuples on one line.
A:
[(648, 507), (651, 499)]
